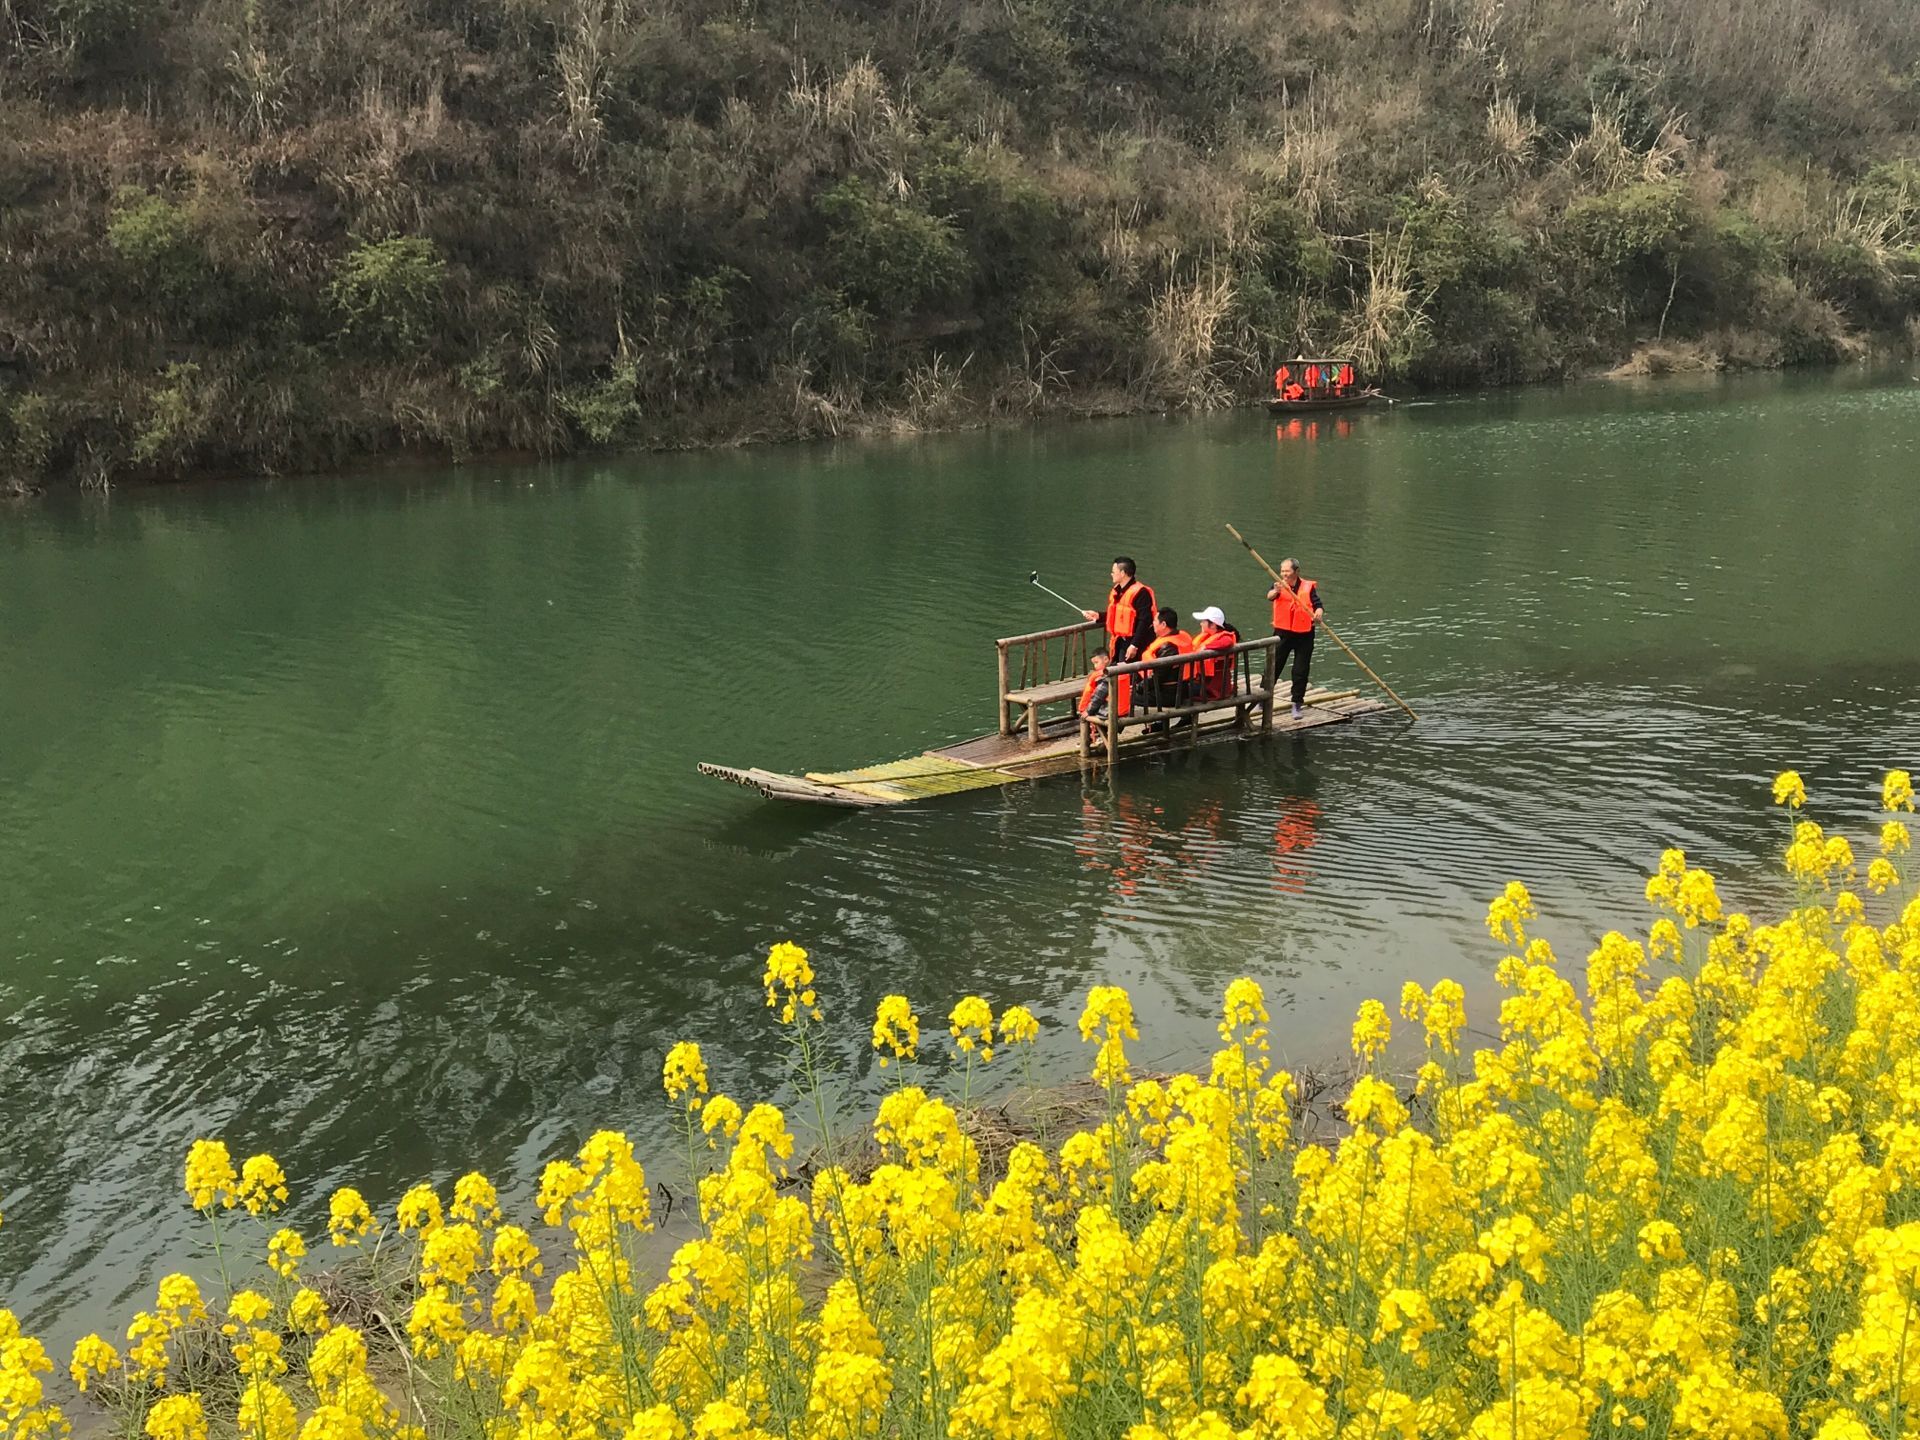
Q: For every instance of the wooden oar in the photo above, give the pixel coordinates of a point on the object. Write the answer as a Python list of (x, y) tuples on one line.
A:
[(1328, 628)]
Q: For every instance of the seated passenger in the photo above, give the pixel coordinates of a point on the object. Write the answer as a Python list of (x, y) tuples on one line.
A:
[(1216, 635), (1167, 686), (1292, 392)]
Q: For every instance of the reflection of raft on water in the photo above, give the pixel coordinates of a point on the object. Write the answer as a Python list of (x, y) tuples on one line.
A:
[(1028, 747)]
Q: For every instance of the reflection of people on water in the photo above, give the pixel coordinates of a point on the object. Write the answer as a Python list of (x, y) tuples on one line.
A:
[(1120, 842), (1294, 831), (1131, 853)]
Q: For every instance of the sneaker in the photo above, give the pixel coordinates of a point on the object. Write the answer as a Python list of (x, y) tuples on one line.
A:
[(1298, 711)]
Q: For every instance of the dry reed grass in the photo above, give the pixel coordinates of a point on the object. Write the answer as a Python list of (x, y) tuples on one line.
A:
[(1389, 317), (1187, 367)]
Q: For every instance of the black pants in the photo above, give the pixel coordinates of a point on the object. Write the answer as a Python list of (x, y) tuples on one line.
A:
[(1301, 648)]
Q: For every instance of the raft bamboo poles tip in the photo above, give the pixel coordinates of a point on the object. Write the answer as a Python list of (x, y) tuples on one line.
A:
[(1329, 629)]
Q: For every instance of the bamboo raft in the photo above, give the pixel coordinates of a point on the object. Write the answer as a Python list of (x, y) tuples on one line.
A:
[(1029, 747)]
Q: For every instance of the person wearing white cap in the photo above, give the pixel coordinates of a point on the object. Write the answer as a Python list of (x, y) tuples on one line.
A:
[(1216, 672)]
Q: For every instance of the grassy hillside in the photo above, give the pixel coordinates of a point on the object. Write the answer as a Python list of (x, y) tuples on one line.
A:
[(281, 233)]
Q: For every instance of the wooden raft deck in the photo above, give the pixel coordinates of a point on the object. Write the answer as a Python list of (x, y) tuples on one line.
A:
[(989, 761)]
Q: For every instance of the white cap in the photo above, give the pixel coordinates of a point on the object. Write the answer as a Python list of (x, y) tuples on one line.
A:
[(1213, 613)]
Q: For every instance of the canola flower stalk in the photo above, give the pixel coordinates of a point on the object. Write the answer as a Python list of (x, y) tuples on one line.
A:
[(1678, 1197)]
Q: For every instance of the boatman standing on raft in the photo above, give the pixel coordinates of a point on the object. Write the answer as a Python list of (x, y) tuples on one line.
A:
[(1129, 613), (1296, 605)]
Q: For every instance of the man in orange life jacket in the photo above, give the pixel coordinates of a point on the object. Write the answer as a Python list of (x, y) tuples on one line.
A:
[(1296, 605), (1167, 686), (1129, 613)]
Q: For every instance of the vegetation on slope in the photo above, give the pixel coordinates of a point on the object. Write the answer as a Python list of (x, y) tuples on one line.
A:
[(246, 233)]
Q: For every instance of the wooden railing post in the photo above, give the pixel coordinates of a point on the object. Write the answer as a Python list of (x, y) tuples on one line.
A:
[(1006, 722), (1266, 705)]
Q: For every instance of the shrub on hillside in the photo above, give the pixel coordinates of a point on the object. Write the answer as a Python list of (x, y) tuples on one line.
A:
[(889, 256), (388, 293), (153, 236)]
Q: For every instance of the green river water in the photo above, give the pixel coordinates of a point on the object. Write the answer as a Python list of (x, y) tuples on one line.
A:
[(356, 819)]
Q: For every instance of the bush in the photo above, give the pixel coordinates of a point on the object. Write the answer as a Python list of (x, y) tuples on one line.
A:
[(388, 293), (181, 413), (889, 257), (154, 237), (27, 427), (1642, 225), (608, 411)]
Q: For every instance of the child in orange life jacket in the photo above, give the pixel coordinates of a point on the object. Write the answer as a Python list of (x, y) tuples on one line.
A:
[(1092, 706)]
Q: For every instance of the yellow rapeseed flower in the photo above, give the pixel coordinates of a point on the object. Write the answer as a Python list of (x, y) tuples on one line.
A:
[(1372, 1028), (210, 1178), (1896, 791), (285, 1251), (789, 983), (307, 1312), (1507, 912), (684, 1074), (971, 1024), (91, 1356), (348, 1218), (896, 1029), (475, 1200), (419, 1209), (177, 1417), (1789, 789), (265, 1412), (1018, 1026), (263, 1185), (1108, 1018)]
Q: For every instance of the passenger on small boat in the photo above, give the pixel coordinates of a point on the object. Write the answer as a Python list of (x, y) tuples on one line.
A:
[(1129, 612), (1092, 705), (1215, 675), (1168, 686)]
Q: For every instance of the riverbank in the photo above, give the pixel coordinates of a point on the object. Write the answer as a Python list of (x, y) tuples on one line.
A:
[(734, 425), (1671, 1198), (577, 227)]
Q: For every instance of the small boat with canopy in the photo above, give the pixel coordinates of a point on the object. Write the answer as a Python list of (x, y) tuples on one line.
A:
[(1311, 383)]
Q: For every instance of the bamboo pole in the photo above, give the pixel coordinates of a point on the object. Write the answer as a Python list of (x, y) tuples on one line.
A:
[(1329, 629)]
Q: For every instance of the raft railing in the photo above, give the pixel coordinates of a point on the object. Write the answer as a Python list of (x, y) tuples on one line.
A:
[(1242, 695), (1039, 684)]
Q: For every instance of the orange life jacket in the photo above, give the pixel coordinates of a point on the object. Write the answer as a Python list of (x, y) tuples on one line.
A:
[(1281, 376), (1215, 670), (1346, 374), (1293, 609), (1121, 615), (1292, 392), (1120, 686), (1178, 643), (1313, 376)]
